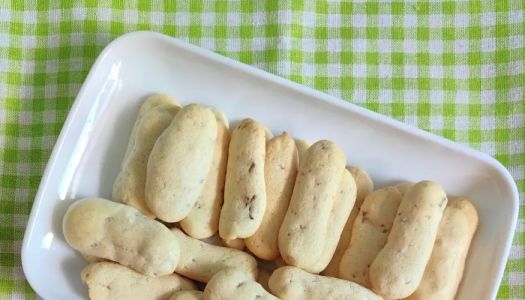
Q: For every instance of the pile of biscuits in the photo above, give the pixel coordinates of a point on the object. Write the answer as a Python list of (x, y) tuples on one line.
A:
[(202, 212)]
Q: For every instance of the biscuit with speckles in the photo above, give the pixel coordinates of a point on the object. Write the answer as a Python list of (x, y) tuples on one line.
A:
[(304, 228), (203, 220), (369, 235), (291, 283), (244, 191), (398, 268), (445, 267), (110, 281), (154, 117), (233, 284), (200, 261), (280, 170), (180, 162), (364, 186), (120, 233)]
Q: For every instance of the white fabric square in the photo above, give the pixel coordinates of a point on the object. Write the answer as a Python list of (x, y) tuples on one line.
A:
[(411, 71), (435, 21), (359, 70), (461, 21), (436, 71), (488, 45), (385, 71), (488, 96), (29, 17), (385, 20), (435, 46), (359, 45), (461, 72), (410, 21), (103, 14), (359, 20)]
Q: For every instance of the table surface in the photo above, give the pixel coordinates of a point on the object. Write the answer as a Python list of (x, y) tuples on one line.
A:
[(454, 69)]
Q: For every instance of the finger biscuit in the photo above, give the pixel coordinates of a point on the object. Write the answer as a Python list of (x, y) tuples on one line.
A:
[(290, 283), (200, 261), (280, 170), (110, 281), (203, 220), (369, 234), (120, 233), (343, 204), (187, 295), (302, 146), (244, 192), (180, 162), (302, 234), (445, 267), (399, 266), (233, 284), (154, 117), (364, 186)]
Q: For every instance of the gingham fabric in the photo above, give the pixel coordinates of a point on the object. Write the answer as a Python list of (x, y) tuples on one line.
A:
[(453, 68)]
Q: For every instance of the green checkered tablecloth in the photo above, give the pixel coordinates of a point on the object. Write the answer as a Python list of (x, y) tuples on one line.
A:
[(456, 69)]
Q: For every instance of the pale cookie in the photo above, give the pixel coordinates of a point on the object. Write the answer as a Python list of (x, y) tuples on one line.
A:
[(188, 295), (302, 146), (302, 234), (399, 266), (238, 244), (280, 170), (404, 187), (120, 233), (200, 261), (110, 281), (291, 283), (244, 192), (344, 202), (364, 186), (203, 220), (369, 234), (233, 284), (445, 267), (154, 117), (180, 162)]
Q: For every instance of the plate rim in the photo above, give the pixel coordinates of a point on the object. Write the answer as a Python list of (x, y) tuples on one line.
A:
[(153, 37)]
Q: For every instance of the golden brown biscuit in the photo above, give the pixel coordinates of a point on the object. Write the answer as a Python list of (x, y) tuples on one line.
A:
[(180, 162), (154, 117), (244, 192), (203, 220), (444, 270), (369, 235), (111, 281), (233, 284), (398, 268), (303, 231), (200, 261), (364, 186), (343, 204), (290, 283), (280, 170), (120, 233)]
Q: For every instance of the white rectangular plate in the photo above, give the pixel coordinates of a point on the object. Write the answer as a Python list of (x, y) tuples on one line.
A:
[(88, 153)]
